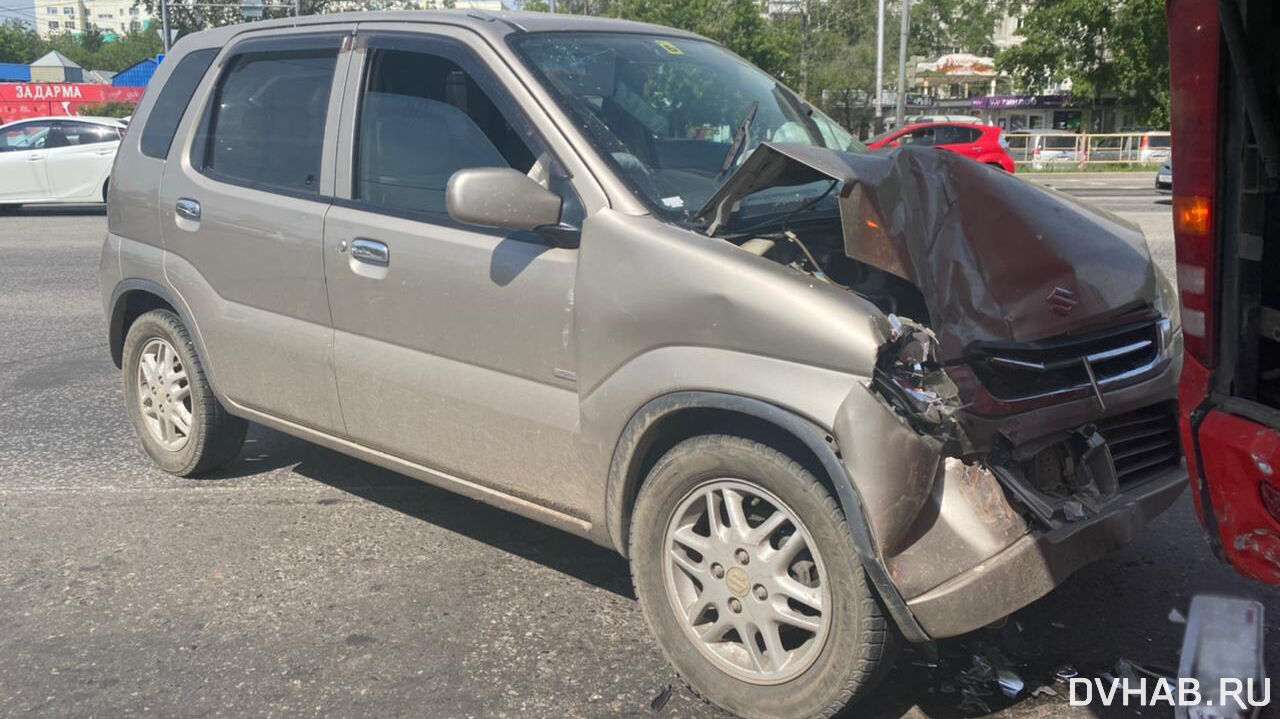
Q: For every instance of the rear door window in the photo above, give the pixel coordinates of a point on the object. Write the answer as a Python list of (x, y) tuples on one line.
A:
[(265, 125), (922, 137), (83, 133), (162, 123), (955, 135)]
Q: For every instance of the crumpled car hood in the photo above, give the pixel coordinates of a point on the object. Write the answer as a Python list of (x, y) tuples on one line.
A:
[(998, 259)]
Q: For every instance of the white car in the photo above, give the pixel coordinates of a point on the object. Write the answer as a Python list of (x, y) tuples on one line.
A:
[(57, 159)]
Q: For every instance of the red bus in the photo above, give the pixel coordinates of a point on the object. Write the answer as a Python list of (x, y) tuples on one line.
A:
[(1225, 108)]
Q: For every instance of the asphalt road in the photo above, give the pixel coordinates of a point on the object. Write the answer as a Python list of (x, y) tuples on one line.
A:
[(300, 583)]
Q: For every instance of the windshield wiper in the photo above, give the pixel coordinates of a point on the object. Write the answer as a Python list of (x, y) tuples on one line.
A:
[(739, 138)]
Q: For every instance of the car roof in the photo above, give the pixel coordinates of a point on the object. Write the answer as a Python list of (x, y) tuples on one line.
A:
[(483, 22), (113, 121), (949, 123)]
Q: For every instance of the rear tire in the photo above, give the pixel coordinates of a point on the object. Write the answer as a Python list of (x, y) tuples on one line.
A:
[(752, 580), (182, 426)]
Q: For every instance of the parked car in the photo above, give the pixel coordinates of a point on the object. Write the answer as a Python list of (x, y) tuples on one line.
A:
[(1227, 238), (1143, 147), (983, 143), (1164, 177), (612, 277), (1111, 148), (1045, 146), (57, 159), (1154, 147)]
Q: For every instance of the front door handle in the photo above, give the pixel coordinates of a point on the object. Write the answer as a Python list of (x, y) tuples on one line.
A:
[(187, 209), (35, 158), (370, 252)]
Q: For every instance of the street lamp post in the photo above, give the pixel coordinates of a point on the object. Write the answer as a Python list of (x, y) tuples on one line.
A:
[(902, 64), (880, 63), (164, 24)]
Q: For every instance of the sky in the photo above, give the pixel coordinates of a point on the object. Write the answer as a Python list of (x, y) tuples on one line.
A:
[(17, 9)]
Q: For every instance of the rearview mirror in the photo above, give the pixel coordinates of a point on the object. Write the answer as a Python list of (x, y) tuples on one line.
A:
[(501, 197)]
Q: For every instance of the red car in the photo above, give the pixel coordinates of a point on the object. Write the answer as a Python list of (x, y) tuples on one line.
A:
[(1227, 237), (983, 143)]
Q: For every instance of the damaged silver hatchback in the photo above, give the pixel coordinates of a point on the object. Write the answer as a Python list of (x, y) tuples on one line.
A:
[(612, 277)]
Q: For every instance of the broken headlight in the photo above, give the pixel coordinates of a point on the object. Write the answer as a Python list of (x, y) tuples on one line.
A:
[(908, 375)]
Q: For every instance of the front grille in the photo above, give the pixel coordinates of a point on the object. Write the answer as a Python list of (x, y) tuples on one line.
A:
[(1019, 371), (1142, 442)]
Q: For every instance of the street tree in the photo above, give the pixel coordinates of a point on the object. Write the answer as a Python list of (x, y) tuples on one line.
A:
[(943, 26), (19, 42), (1103, 47)]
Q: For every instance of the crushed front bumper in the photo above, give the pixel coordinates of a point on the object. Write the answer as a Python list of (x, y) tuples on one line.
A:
[(1039, 561), (960, 547)]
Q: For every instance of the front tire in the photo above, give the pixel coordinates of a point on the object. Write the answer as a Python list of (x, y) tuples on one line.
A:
[(747, 574), (181, 425)]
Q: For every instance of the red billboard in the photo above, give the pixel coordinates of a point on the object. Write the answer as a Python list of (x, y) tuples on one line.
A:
[(40, 99)]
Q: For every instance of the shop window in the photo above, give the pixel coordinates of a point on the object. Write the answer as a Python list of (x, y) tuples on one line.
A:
[(1067, 120)]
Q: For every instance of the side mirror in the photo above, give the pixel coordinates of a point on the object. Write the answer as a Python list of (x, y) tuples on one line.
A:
[(503, 197)]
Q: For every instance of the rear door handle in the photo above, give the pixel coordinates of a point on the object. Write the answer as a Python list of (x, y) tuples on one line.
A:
[(187, 209), (370, 252), (34, 158)]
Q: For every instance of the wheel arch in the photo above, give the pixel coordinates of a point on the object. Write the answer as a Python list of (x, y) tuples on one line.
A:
[(665, 421), (134, 297)]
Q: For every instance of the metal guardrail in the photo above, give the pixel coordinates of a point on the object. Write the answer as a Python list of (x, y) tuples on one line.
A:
[(1049, 149)]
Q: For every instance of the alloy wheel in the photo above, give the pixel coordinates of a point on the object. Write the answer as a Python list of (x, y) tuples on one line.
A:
[(745, 579), (164, 394)]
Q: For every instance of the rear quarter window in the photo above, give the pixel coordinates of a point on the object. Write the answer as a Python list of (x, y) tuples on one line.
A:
[(162, 123)]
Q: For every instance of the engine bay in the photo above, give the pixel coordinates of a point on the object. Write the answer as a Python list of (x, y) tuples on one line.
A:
[(818, 250)]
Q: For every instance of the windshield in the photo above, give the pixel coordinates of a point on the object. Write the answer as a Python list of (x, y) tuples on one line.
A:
[(676, 116)]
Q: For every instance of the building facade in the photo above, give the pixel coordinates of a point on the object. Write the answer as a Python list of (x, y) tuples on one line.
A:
[(111, 17)]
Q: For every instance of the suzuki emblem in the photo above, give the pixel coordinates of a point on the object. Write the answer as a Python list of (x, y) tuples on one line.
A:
[(1062, 300)]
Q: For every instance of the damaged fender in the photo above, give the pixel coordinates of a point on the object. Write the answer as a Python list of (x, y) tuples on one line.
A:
[(932, 515)]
